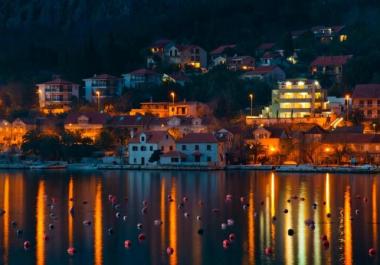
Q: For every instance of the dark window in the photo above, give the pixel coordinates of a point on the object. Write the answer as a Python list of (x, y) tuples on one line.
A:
[(143, 148), (171, 148), (369, 112), (151, 148), (162, 148), (142, 138), (175, 159), (183, 147), (208, 147), (378, 103), (369, 102), (208, 159), (134, 148), (196, 147)]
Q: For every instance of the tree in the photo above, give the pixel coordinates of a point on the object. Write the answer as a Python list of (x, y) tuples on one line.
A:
[(341, 151), (256, 149), (105, 141)]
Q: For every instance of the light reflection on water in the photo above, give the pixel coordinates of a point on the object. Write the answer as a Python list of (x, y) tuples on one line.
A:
[(26, 198)]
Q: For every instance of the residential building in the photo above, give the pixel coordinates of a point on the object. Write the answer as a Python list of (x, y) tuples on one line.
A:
[(269, 138), (88, 125), (338, 105), (326, 34), (157, 51), (141, 78), (270, 58), (131, 125), (56, 96), (197, 149), (220, 55), (12, 133), (193, 56), (179, 78), (298, 98), (268, 74), (330, 65), (366, 98), (241, 63), (168, 109), (101, 87), (142, 147)]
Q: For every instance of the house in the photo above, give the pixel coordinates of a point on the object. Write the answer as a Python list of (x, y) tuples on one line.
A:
[(142, 147), (179, 126), (88, 125), (197, 149), (99, 87), (270, 58), (12, 133), (226, 137), (179, 78), (266, 73), (240, 63), (299, 98), (131, 125), (56, 96), (141, 78), (193, 56), (366, 98), (269, 137), (168, 109), (330, 65), (156, 52), (325, 34), (337, 105), (220, 55)]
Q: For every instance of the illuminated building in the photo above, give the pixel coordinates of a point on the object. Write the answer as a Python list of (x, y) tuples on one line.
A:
[(57, 95), (241, 63), (12, 133), (106, 86), (88, 125), (299, 98), (366, 98), (331, 66)]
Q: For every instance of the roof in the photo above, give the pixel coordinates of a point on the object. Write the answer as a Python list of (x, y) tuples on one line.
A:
[(331, 60), (222, 48), (102, 77), (143, 71), (266, 46), (366, 91), (350, 138), (93, 117), (152, 137), (262, 70), (198, 138), (174, 154), (58, 81)]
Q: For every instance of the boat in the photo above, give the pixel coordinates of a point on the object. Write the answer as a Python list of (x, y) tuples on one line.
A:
[(48, 165)]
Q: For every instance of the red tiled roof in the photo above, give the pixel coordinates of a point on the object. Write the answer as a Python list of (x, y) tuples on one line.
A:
[(350, 138), (59, 81), (222, 48), (366, 91), (93, 117), (174, 154), (103, 77), (143, 71), (331, 60), (152, 137), (263, 70), (198, 138), (266, 46)]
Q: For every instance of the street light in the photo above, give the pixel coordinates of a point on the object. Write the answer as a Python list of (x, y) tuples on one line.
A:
[(251, 99), (347, 97), (98, 98), (172, 94)]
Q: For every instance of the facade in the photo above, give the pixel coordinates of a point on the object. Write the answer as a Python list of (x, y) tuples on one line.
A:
[(299, 98), (179, 126), (156, 52), (145, 144), (193, 56), (220, 55), (131, 125), (88, 125), (366, 98), (167, 109), (141, 78), (265, 73), (270, 58), (326, 34), (12, 133), (241, 63), (100, 87), (56, 96), (329, 65)]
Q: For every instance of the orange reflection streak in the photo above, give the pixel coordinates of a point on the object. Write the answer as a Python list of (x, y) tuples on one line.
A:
[(40, 229), (289, 257), (251, 227), (328, 210), (162, 212), (374, 213), (347, 227), (70, 218), (273, 206), (173, 225), (98, 226), (6, 220)]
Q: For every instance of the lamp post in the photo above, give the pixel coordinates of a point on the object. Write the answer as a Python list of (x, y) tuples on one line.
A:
[(98, 98), (172, 94), (347, 97), (251, 99)]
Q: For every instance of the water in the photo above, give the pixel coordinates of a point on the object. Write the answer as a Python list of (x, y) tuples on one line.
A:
[(25, 196)]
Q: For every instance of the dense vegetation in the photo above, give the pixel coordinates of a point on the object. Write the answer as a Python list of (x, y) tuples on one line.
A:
[(77, 38)]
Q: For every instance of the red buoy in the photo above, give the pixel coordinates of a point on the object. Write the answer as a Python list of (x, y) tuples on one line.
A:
[(226, 243), (141, 237), (268, 251), (71, 251), (372, 252), (232, 237), (127, 244), (169, 251), (26, 245)]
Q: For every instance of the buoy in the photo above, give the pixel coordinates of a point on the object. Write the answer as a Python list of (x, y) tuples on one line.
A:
[(186, 215), (19, 232), (51, 226), (357, 211), (180, 206), (144, 210), (199, 218), (110, 231), (71, 251), (328, 215), (117, 215), (141, 237), (87, 222), (169, 251), (286, 211), (326, 244), (14, 223), (71, 199), (139, 226), (145, 203), (226, 243), (157, 222), (242, 199), (290, 232), (46, 237), (223, 226), (314, 206), (127, 244), (365, 199), (184, 199), (124, 218), (200, 231), (72, 211), (84, 202), (116, 207), (268, 251), (274, 218), (26, 245), (232, 237), (302, 199), (245, 207), (230, 222), (372, 252), (228, 198), (289, 201)]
